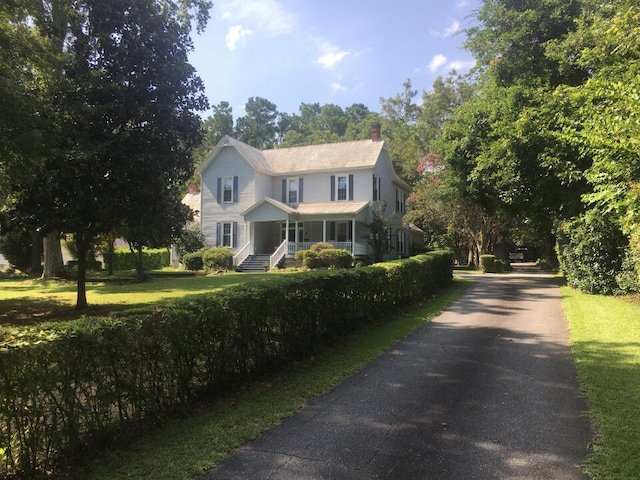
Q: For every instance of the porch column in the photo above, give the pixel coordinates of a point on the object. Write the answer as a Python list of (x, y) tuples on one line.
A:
[(353, 236), (286, 231), (324, 230)]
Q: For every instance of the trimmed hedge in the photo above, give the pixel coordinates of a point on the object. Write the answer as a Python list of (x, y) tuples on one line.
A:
[(220, 258), (65, 386), (325, 258), (152, 259), (488, 263), (193, 261)]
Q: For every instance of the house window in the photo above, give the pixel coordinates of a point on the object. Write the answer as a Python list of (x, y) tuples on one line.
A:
[(295, 235), (341, 188), (226, 234), (227, 189), (376, 188), (292, 184), (340, 231), (401, 241), (401, 198)]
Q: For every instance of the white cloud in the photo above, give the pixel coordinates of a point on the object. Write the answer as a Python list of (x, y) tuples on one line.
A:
[(330, 60), (452, 29), (330, 54), (437, 61), (336, 87), (265, 15), (460, 66), (235, 34)]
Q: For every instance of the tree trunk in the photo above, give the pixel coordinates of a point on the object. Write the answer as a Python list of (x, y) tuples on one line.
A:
[(36, 254), (53, 263), (82, 245), (110, 255)]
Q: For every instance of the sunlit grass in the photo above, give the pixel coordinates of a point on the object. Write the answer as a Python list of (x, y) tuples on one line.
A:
[(605, 339), (29, 300)]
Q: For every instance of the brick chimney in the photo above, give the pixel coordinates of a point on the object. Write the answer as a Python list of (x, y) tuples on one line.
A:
[(375, 132), (193, 189)]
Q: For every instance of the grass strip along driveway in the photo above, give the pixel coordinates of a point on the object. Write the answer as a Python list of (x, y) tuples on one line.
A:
[(605, 340)]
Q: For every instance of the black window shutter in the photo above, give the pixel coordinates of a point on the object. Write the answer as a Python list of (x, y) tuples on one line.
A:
[(300, 185), (234, 234), (218, 233), (284, 190), (219, 191), (333, 188), (350, 187), (235, 189)]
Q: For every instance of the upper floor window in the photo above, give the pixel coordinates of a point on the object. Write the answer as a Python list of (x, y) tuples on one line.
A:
[(341, 187), (401, 198), (292, 190), (376, 188), (227, 189), (227, 193)]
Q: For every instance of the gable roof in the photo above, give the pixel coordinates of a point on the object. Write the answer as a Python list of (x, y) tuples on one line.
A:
[(340, 156), (329, 156)]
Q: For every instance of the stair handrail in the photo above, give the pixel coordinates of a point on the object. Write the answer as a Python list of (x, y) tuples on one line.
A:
[(280, 252), (242, 254)]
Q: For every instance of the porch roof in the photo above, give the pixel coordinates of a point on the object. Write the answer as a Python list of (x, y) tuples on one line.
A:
[(269, 209)]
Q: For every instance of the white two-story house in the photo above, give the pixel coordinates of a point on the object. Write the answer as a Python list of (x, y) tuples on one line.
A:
[(276, 202)]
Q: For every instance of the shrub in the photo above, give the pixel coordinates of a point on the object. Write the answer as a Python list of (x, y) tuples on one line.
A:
[(316, 247), (500, 265), (191, 240), (336, 258), (488, 263), (152, 259), (219, 258), (627, 279), (591, 250), (311, 259), (193, 261)]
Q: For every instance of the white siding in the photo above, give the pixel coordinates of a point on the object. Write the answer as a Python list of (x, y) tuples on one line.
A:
[(227, 163)]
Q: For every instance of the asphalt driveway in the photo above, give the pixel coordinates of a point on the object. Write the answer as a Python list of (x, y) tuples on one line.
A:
[(485, 391)]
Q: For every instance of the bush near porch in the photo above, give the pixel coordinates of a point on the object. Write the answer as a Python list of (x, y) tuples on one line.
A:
[(67, 386)]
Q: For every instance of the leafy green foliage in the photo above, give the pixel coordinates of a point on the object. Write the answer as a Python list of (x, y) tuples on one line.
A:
[(220, 258), (152, 259), (66, 384), (193, 261), (191, 240), (591, 249), (324, 255), (488, 263)]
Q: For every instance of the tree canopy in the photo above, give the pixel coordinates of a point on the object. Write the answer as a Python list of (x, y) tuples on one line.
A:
[(121, 125)]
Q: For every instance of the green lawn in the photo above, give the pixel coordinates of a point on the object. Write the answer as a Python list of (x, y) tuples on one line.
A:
[(24, 301), (605, 339)]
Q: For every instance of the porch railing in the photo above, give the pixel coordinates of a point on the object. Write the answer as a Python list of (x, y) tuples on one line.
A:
[(280, 252), (360, 249), (242, 254)]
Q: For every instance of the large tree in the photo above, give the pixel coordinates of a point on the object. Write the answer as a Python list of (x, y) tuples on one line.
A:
[(259, 126), (125, 123)]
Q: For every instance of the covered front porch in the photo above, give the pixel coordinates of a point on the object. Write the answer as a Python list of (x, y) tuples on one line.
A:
[(280, 230)]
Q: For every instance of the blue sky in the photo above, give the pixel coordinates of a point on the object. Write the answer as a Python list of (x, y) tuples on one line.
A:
[(332, 51)]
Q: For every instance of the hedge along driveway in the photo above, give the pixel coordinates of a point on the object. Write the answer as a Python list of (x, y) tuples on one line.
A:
[(71, 382)]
